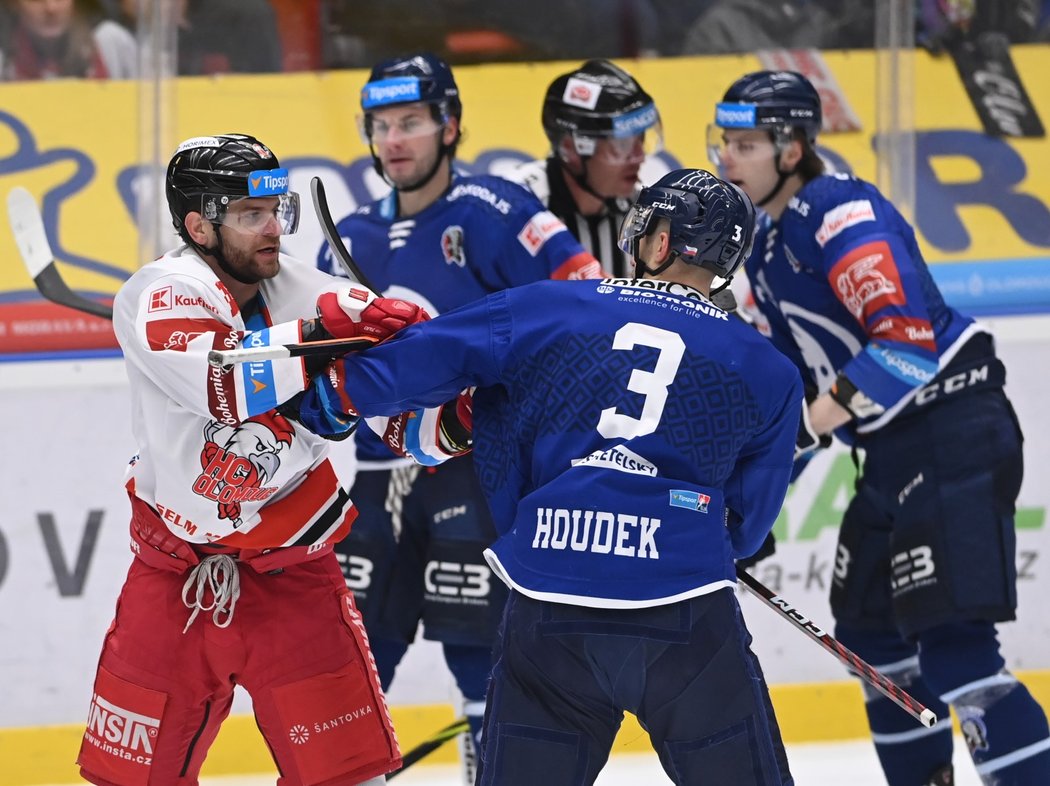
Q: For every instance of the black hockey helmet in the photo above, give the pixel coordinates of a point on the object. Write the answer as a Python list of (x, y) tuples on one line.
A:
[(207, 173), (597, 100), (712, 221)]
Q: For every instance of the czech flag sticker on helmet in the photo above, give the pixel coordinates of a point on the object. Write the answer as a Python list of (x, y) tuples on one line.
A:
[(267, 182)]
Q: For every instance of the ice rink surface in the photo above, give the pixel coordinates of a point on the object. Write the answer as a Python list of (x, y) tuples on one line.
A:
[(813, 764)]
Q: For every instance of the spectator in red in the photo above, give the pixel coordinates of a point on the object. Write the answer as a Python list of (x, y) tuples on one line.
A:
[(49, 39)]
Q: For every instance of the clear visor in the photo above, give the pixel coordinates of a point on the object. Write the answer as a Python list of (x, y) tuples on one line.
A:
[(631, 149), (271, 215), (739, 145), (374, 128), (635, 226)]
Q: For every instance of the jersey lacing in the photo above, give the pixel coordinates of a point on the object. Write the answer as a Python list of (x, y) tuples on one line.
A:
[(217, 573), (399, 487)]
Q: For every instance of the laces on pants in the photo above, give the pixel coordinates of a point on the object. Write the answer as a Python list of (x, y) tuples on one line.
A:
[(218, 574)]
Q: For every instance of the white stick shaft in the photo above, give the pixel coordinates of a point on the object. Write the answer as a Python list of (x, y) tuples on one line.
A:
[(231, 357)]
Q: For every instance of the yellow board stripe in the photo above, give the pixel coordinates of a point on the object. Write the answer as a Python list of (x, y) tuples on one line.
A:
[(808, 712)]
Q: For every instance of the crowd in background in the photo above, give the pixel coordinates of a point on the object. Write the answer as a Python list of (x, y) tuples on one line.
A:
[(42, 39)]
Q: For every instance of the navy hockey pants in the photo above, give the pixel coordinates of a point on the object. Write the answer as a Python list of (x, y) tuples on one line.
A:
[(564, 675)]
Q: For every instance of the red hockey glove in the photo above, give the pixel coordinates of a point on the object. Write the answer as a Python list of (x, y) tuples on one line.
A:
[(354, 311)]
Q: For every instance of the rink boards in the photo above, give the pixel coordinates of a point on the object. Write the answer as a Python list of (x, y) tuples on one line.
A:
[(64, 553)]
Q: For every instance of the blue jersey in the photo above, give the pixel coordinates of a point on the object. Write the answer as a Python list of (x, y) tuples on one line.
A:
[(631, 438), (844, 287), (483, 235)]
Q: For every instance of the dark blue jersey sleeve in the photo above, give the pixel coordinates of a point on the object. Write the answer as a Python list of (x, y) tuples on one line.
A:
[(524, 241), (869, 256)]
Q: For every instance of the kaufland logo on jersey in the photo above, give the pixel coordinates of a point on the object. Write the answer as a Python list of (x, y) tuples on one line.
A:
[(735, 115), (160, 300), (396, 90), (268, 182), (120, 727)]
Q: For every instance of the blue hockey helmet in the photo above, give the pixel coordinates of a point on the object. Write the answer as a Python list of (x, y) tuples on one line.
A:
[(423, 77), (774, 100), (712, 221)]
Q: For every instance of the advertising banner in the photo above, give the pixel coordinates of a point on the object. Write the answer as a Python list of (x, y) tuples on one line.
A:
[(982, 204)]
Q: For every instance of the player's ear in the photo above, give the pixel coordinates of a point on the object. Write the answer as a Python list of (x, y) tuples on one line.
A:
[(566, 151), (450, 133), (663, 242), (791, 155), (200, 231)]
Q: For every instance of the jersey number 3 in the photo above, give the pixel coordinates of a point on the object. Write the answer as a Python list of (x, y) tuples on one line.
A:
[(651, 384)]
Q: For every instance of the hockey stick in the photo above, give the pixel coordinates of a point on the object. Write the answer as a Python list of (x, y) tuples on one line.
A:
[(332, 346), (431, 744), (331, 234), (31, 238), (861, 668)]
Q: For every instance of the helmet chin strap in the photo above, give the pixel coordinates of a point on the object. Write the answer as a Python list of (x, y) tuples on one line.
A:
[(583, 181), (645, 269), (443, 152), (782, 176)]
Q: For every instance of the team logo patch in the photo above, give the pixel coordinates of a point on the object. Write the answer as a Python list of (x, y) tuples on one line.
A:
[(453, 247), (690, 500), (160, 300), (867, 280), (580, 92), (538, 230), (842, 217), (238, 461)]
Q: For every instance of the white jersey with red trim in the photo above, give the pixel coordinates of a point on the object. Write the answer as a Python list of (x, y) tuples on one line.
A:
[(214, 459)]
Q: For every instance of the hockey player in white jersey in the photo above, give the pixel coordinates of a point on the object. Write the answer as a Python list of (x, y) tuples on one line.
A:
[(632, 440), (601, 125), (235, 507)]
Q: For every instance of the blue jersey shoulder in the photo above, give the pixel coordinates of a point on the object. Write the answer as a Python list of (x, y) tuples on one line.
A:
[(492, 195), (830, 208)]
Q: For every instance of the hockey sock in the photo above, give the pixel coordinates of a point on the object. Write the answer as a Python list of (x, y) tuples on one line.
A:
[(1004, 727), (905, 748), (388, 653), (470, 666), (908, 752)]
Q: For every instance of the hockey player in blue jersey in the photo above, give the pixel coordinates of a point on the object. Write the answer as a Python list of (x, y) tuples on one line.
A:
[(633, 440), (925, 563), (438, 240)]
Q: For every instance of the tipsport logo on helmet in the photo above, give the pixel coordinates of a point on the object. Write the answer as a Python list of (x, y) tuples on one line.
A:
[(396, 90), (635, 122), (267, 182), (729, 115)]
